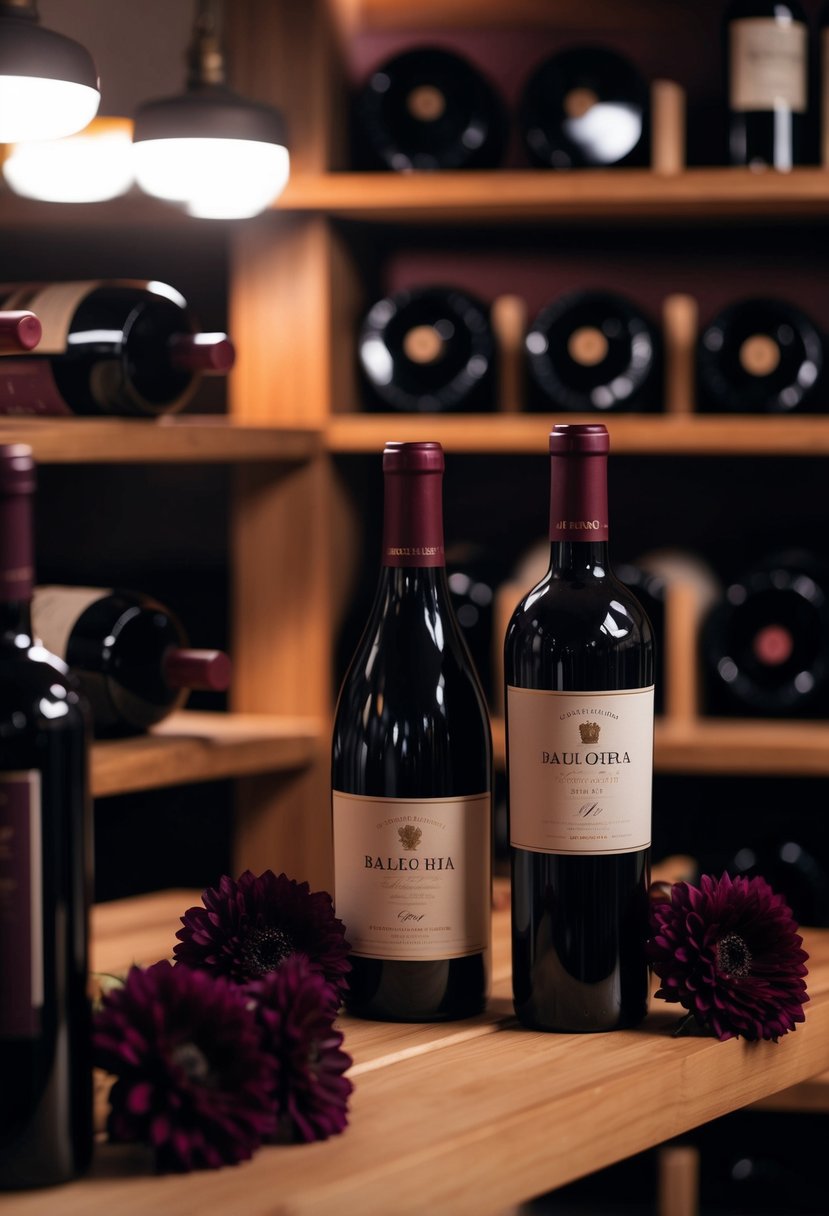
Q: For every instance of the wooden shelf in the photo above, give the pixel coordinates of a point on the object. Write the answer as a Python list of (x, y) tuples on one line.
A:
[(553, 197), (456, 1117), (187, 439), (640, 434), (728, 746), (191, 746)]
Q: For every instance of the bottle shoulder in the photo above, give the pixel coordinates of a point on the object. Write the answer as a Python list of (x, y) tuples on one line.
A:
[(38, 684), (581, 606)]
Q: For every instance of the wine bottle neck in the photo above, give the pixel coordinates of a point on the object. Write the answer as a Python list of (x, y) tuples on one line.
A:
[(413, 519), (578, 499), (587, 559), (425, 583)]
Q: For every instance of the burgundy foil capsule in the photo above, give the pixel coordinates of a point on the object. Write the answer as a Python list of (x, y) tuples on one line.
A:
[(413, 515), (202, 353), (578, 500), (19, 331), (201, 670)]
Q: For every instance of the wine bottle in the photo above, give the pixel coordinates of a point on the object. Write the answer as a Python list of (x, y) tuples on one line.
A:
[(578, 664), (594, 350), (129, 652), (792, 871), (45, 875), (412, 777), (765, 644), (428, 349), (585, 106), (429, 108), (767, 66), (760, 356), (108, 347)]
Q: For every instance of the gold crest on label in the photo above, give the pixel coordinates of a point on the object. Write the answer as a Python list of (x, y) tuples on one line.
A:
[(409, 836), (589, 732)]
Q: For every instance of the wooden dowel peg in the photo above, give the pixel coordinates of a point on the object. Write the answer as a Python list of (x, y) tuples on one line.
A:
[(680, 324), (509, 325), (667, 127), (678, 1193)]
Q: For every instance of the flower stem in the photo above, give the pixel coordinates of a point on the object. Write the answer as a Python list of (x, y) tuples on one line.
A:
[(683, 1026)]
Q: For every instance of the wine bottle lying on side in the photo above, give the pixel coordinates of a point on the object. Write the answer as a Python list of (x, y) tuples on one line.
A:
[(109, 347), (429, 108), (765, 644), (129, 652), (594, 350), (428, 350), (760, 356)]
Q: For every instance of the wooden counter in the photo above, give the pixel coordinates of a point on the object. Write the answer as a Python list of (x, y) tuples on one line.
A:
[(471, 1117)]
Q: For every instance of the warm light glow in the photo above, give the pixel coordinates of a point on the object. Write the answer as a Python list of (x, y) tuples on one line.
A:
[(94, 165), (215, 178), (33, 107)]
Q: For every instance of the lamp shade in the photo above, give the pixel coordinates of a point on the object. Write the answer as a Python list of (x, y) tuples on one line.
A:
[(94, 165), (222, 156), (48, 83)]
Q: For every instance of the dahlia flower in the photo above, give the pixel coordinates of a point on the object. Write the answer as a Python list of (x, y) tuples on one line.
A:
[(729, 952), (193, 1078), (296, 1010), (248, 927)]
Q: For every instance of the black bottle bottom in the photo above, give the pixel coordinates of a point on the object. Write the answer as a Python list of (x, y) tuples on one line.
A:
[(443, 990), (579, 927)]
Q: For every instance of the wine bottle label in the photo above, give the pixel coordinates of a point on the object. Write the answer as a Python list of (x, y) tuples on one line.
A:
[(27, 386), (55, 304), (580, 770), (56, 610), (412, 876), (21, 906), (768, 64)]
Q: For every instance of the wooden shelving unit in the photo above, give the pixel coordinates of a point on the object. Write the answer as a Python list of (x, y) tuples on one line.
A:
[(463, 1110), (186, 440), (190, 746), (549, 197), (484, 1142), (632, 434)]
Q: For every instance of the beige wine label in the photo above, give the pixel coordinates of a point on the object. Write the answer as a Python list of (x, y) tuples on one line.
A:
[(55, 304), (412, 876), (768, 64), (55, 611), (580, 770)]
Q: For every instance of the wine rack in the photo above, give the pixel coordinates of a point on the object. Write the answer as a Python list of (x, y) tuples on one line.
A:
[(295, 293), (305, 245)]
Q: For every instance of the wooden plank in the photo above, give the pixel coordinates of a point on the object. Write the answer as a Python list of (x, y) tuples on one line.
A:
[(185, 440), (457, 1118), (192, 746), (604, 15), (547, 196), (642, 434)]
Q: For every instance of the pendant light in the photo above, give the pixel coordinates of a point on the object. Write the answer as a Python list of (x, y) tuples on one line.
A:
[(222, 156), (94, 165), (48, 83)]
